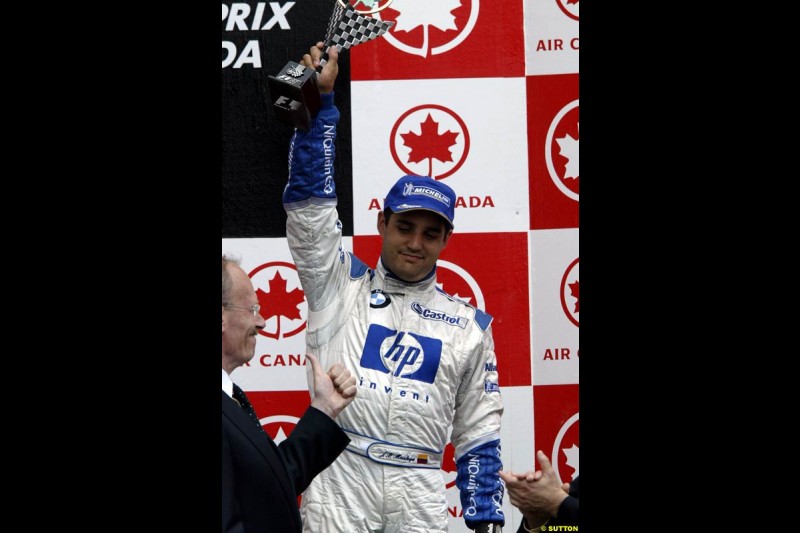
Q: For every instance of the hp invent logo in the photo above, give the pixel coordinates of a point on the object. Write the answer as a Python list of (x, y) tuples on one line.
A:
[(402, 354)]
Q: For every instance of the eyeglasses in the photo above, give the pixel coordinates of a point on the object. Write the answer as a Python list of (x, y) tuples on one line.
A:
[(255, 309)]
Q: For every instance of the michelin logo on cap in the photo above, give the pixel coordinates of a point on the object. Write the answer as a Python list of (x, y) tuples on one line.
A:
[(422, 192), (410, 189)]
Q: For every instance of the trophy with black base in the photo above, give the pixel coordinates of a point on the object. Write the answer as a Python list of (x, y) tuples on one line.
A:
[(294, 92)]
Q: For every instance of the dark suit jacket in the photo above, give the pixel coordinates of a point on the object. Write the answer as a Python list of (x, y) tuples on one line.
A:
[(261, 481), (567, 511)]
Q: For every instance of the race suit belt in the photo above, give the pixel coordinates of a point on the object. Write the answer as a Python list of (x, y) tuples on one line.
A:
[(392, 454)]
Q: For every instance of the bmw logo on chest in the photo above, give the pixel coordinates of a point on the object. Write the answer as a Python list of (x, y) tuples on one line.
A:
[(378, 300)]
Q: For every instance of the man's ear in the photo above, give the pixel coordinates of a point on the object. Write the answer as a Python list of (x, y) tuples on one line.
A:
[(381, 225), (446, 237)]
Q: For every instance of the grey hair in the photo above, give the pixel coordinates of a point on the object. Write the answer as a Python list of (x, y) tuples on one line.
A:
[(227, 284)]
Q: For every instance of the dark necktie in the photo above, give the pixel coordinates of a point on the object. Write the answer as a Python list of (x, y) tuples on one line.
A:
[(241, 399)]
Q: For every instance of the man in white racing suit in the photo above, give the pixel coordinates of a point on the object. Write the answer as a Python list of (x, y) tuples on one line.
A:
[(423, 360)]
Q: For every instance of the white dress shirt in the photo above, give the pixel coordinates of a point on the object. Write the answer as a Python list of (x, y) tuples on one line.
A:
[(227, 383)]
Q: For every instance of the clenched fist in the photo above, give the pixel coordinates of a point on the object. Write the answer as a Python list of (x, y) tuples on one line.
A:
[(333, 390)]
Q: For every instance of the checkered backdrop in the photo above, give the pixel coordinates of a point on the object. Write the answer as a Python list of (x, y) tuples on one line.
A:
[(504, 79)]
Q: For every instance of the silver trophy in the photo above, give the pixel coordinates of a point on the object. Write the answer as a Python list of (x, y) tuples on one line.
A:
[(294, 92)]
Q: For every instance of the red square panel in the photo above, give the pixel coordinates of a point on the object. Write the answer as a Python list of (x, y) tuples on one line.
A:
[(279, 411), (556, 427), (444, 39), (553, 141)]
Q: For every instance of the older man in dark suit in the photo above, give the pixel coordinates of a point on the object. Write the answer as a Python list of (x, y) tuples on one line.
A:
[(261, 480)]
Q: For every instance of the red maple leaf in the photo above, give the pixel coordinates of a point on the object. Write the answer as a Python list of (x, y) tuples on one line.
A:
[(278, 302), (429, 144), (574, 291)]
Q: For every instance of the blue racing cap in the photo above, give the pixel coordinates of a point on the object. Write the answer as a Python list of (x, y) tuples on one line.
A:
[(422, 192)]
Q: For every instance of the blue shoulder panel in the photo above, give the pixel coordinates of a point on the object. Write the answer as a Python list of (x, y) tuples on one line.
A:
[(357, 267), (482, 319)]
